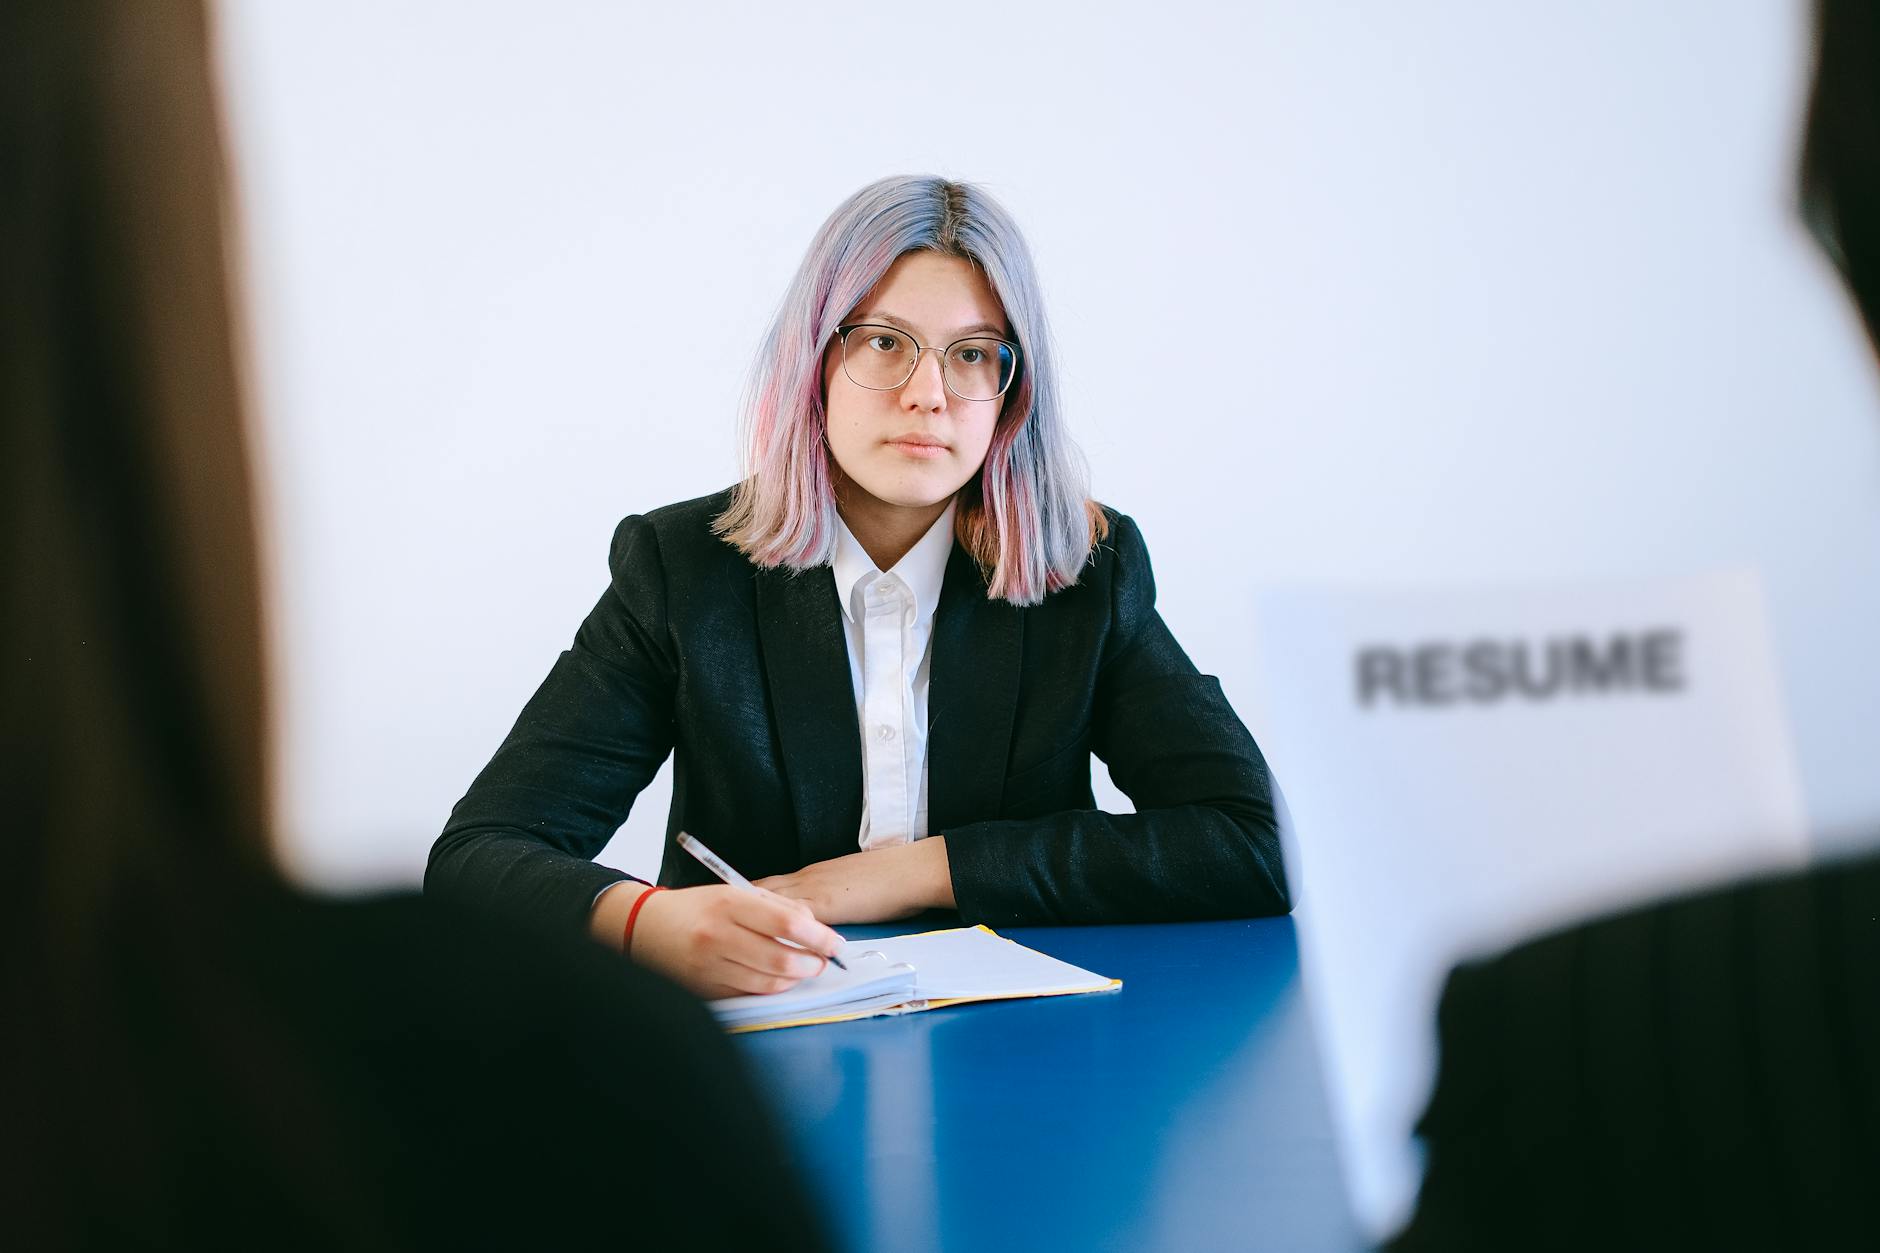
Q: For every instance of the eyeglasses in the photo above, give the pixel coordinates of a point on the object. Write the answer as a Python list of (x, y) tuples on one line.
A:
[(882, 358)]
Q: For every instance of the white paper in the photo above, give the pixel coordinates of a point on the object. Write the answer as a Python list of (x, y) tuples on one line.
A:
[(872, 980), (962, 963), (968, 962), (1440, 815)]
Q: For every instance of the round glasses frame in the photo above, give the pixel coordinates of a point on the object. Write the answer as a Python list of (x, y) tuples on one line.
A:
[(946, 376)]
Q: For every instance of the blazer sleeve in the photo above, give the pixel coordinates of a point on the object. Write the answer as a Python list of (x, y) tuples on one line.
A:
[(523, 837), (1204, 840)]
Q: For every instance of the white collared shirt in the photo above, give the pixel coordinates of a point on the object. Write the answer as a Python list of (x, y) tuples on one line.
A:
[(888, 622)]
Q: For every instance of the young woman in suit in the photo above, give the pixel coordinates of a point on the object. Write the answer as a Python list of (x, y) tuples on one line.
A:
[(883, 660)]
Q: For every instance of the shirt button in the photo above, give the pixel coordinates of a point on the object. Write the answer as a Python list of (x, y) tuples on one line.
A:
[(884, 732)]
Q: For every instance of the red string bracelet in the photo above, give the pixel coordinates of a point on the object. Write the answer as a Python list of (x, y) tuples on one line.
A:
[(626, 936)]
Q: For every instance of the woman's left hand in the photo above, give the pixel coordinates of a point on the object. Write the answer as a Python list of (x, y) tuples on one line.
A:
[(879, 885)]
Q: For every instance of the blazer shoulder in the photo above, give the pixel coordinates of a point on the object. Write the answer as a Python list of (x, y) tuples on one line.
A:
[(1120, 544), (1119, 569), (676, 534), (1694, 939), (1793, 904), (695, 515)]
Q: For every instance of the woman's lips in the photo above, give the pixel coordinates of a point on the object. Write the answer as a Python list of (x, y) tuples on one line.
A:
[(918, 450)]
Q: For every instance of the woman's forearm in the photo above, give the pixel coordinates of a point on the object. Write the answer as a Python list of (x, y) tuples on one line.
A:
[(934, 873), (607, 921)]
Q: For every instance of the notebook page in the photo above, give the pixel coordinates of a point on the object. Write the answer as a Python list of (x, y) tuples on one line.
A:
[(871, 976), (973, 962)]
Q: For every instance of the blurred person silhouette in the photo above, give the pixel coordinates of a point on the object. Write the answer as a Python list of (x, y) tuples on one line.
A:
[(1702, 1073), (194, 1053)]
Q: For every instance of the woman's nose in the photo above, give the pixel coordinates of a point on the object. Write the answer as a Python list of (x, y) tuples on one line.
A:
[(926, 388)]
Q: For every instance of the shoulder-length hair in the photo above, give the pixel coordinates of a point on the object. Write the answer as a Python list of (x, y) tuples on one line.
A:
[(1027, 518)]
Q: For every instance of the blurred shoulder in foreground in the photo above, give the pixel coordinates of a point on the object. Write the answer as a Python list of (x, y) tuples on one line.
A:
[(1703, 1073)]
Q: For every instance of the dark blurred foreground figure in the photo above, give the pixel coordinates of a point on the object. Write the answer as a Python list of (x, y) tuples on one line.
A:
[(1703, 1074), (193, 1055)]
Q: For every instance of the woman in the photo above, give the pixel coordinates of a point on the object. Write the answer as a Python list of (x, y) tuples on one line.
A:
[(194, 1055), (882, 660)]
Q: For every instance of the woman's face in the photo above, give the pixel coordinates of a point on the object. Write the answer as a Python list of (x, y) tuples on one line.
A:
[(913, 447)]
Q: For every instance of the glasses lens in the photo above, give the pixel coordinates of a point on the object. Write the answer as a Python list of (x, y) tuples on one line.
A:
[(980, 369), (878, 356)]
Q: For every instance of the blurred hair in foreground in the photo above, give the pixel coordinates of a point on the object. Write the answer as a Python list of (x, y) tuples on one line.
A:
[(194, 1054), (1840, 176)]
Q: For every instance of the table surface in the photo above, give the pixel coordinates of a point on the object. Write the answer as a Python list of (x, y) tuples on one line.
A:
[(1186, 1111)]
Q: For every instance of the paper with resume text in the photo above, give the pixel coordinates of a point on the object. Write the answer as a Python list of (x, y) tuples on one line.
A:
[(1471, 766)]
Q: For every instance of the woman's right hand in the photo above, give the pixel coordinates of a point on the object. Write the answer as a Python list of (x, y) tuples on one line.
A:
[(719, 940)]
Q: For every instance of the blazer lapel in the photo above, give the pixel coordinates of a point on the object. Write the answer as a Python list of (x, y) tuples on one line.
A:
[(806, 666), (971, 697)]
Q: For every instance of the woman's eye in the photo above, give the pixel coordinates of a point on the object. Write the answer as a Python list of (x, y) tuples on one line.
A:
[(971, 356), (884, 343)]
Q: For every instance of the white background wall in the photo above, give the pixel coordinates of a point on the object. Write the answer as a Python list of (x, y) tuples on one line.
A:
[(1466, 293), (1344, 292)]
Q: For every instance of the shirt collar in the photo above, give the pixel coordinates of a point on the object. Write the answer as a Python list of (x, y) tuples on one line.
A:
[(923, 569)]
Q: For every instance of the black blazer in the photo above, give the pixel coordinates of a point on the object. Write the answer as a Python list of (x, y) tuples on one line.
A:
[(743, 674), (1703, 1074)]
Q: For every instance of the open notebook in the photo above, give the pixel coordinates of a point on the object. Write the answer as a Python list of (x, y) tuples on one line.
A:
[(906, 973)]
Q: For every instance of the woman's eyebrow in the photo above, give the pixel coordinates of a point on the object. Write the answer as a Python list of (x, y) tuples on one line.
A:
[(977, 328)]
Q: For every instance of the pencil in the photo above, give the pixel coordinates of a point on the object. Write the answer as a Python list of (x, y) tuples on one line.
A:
[(717, 865)]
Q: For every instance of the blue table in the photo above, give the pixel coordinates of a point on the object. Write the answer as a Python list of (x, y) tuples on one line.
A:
[(1184, 1112)]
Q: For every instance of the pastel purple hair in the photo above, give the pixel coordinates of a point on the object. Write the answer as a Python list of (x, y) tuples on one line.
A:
[(1027, 519)]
